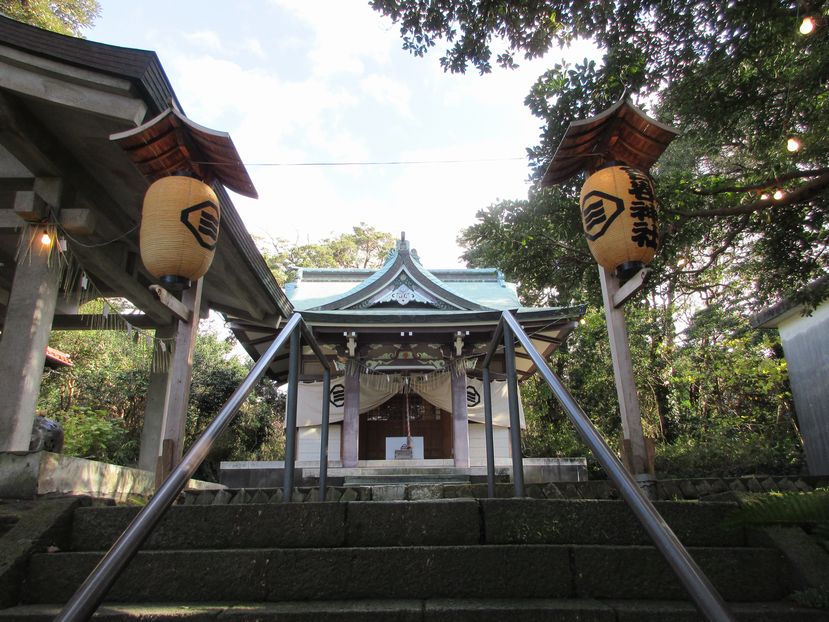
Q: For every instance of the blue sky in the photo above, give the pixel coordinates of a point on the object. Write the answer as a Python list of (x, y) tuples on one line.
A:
[(327, 81)]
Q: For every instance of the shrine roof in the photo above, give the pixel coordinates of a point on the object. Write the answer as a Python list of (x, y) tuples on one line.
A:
[(403, 276)]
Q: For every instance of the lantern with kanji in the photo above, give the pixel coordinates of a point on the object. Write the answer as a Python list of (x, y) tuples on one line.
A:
[(617, 148), (181, 214), (618, 214)]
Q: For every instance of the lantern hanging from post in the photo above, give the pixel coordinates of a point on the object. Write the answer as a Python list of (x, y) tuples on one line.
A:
[(179, 230), (618, 212), (181, 214)]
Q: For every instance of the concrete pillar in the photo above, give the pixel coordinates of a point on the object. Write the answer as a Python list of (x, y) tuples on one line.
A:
[(351, 415), (157, 391), (29, 316), (181, 374), (460, 416)]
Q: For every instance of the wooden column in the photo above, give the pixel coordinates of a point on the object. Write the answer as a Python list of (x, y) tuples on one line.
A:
[(460, 416), (158, 389), (181, 374), (351, 415), (26, 330), (633, 437)]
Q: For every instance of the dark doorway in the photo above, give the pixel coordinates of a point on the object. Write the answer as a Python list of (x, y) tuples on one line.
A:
[(389, 419)]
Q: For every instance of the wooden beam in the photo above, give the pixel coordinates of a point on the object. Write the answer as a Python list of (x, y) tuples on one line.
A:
[(173, 304), (94, 321), (104, 263), (45, 156), (631, 286), (83, 90)]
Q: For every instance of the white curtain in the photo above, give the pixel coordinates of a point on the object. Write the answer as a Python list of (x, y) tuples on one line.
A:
[(376, 389)]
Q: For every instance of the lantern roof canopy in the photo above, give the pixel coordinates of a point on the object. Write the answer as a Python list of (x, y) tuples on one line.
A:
[(622, 133), (171, 143)]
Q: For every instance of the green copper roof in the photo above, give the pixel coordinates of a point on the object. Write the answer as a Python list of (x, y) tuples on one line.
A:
[(450, 289)]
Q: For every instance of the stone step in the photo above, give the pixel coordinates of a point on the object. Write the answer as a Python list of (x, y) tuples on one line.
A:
[(424, 523), (433, 610), (412, 572), (384, 479)]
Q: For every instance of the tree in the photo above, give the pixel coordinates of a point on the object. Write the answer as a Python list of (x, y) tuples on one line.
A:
[(737, 78), (365, 247), (68, 17)]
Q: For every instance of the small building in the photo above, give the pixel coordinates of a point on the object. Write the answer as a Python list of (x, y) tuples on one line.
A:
[(805, 338), (408, 342)]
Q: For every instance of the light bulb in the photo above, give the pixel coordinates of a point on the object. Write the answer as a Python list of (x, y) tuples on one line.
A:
[(45, 239), (792, 145), (807, 25), (778, 194), (764, 196)]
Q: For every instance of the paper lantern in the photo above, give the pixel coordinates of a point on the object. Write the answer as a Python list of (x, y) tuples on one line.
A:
[(179, 230), (618, 213)]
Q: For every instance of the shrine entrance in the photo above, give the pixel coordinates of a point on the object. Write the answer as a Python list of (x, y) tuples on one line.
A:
[(383, 429)]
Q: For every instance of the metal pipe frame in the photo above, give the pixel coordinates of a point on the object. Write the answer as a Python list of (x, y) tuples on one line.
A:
[(326, 407), (514, 413), (704, 595), (290, 416), (89, 595), (490, 444)]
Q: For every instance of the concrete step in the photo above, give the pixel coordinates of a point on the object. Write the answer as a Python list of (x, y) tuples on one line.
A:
[(435, 610), (412, 572), (446, 522)]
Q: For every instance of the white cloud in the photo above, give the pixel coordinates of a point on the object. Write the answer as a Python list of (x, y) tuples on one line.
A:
[(204, 39), (252, 45), (386, 90)]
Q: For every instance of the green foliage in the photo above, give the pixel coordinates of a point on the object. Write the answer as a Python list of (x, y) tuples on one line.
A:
[(68, 17), (100, 401), (365, 247), (96, 435)]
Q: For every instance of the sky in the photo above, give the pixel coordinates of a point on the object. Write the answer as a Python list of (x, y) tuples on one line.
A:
[(310, 81)]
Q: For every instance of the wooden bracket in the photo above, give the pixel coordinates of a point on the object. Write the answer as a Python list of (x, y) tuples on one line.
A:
[(178, 308), (631, 286)]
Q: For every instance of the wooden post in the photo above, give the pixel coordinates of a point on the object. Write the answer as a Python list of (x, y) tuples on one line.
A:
[(351, 415), (158, 390), (633, 437), (460, 415), (181, 374)]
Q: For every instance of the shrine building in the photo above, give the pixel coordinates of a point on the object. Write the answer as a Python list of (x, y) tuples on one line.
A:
[(408, 343)]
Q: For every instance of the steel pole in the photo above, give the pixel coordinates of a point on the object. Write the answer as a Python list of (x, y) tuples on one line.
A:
[(490, 444), (89, 595), (326, 407), (514, 417), (290, 417), (696, 583)]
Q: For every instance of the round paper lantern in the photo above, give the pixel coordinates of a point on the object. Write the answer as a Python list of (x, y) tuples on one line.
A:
[(618, 213), (179, 230)]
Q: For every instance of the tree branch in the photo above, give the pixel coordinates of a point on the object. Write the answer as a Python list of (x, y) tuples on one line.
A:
[(774, 181), (803, 192)]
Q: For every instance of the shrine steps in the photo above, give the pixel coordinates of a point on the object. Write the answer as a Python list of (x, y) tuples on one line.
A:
[(463, 559)]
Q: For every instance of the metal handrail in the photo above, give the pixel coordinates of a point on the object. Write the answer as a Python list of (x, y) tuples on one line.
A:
[(89, 595), (696, 583)]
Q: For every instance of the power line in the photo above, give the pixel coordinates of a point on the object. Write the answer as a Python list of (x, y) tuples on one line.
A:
[(373, 163)]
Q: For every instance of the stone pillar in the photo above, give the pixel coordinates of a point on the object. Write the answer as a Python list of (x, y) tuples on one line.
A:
[(29, 316), (460, 416), (181, 374), (157, 392), (351, 415)]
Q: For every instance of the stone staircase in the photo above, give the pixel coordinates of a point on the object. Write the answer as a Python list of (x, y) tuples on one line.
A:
[(448, 559)]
